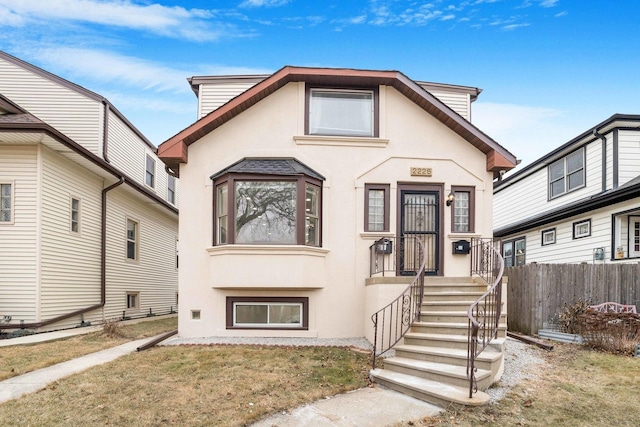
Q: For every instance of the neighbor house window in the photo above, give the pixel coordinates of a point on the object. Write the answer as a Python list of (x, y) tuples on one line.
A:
[(567, 174), (150, 174), (133, 300), (269, 313), (6, 203), (171, 189), (463, 209), (75, 215), (268, 209), (376, 207), (514, 252), (582, 229), (132, 239), (341, 112), (548, 236)]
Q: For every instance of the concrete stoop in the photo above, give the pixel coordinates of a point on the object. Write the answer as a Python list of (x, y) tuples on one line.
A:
[(431, 363)]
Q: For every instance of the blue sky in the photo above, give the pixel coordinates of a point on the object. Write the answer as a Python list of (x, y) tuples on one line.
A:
[(549, 69)]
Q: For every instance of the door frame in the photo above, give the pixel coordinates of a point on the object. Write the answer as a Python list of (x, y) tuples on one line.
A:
[(426, 187), (631, 236)]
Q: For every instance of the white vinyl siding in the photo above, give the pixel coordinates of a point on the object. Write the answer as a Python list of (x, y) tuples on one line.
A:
[(75, 115), (70, 262), (154, 275), (18, 241), (628, 156), (530, 194), (458, 102), (213, 96)]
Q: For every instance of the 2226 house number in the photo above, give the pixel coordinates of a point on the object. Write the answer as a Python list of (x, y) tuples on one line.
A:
[(420, 171)]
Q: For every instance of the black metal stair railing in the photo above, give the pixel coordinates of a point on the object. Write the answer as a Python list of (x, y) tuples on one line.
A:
[(484, 314), (394, 320)]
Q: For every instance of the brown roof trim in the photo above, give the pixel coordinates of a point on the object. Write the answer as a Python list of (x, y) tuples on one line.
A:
[(30, 123), (76, 88), (174, 150), (8, 105)]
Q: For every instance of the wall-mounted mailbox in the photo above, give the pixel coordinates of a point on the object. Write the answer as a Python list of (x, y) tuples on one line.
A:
[(461, 247), (384, 246)]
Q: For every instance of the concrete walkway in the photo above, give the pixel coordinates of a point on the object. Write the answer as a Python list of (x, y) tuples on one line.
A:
[(30, 382), (366, 407)]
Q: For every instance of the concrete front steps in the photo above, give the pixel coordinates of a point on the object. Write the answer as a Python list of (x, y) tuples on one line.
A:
[(431, 362)]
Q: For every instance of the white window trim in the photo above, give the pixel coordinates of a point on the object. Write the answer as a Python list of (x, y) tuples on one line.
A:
[(576, 226), (548, 232), (136, 241), (146, 171), (79, 230), (13, 205), (137, 300), (566, 174)]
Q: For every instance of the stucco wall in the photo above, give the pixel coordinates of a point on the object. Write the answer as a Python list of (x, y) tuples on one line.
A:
[(333, 277)]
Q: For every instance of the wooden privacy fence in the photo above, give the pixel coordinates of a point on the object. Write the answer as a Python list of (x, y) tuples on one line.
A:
[(536, 292)]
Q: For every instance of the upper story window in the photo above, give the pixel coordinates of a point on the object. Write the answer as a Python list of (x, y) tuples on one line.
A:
[(260, 208), (463, 209), (6, 202), (150, 174), (376, 207), (75, 215), (342, 112), (171, 189), (567, 174)]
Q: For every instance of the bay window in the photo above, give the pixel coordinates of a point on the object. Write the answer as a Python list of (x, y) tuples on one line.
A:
[(279, 209)]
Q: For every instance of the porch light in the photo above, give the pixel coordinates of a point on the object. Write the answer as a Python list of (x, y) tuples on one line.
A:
[(450, 199)]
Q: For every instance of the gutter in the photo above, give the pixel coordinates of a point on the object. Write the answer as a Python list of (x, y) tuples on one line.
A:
[(103, 272)]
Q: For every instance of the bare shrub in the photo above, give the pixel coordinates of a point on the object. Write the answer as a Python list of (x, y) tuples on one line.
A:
[(568, 318), (112, 328), (611, 332)]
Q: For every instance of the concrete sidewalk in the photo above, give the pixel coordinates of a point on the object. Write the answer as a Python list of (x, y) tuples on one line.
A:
[(366, 407), (30, 382)]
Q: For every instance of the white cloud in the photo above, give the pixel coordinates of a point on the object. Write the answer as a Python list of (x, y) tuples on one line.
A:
[(9, 18), (175, 21), (106, 67), (561, 14), (514, 26), (263, 3), (548, 3)]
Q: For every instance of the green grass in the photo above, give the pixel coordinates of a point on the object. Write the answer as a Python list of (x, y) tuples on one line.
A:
[(219, 385)]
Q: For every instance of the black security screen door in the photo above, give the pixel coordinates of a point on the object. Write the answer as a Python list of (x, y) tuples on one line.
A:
[(420, 220)]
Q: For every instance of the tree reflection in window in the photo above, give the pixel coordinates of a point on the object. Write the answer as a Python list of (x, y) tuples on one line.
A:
[(265, 212)]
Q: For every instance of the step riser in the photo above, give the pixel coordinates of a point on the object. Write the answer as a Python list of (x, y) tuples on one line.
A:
[(431, 305), (440, 358), (450, 318), (455, 288), (451, 296), (483, 384), (451, 330), (414, 393), (431, 342)]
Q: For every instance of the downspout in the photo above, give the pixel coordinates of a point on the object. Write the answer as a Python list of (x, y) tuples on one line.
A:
[(604, 157), (103, 270)]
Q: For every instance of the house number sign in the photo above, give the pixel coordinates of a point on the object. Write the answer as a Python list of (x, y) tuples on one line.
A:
[(421, 171)]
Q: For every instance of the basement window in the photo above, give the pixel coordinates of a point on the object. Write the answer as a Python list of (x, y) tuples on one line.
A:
[(267, 313)]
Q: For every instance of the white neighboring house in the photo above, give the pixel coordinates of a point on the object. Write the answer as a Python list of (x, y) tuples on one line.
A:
[(578, 203), (88, 213)]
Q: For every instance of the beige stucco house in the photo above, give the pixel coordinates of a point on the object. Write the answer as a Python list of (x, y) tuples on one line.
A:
[(288, 180), (88, 214)]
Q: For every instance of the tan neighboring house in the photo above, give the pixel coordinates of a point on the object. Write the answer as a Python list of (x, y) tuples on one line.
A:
[(288, 180), (88, 213)]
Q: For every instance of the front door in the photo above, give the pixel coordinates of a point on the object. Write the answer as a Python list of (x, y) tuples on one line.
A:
[(419, 220)]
